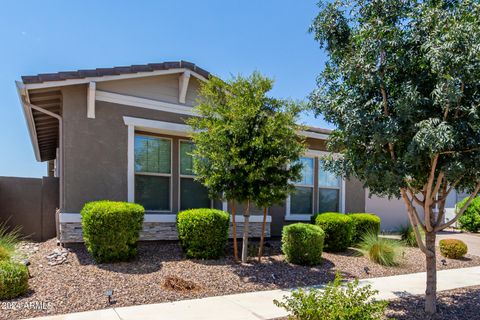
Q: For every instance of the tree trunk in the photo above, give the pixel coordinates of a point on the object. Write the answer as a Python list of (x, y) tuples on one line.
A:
[(234, 233), (246, 217), (262, 236), (431, 262)]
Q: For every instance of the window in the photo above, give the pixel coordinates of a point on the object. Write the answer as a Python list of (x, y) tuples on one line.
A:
[(329, 189), (192, 193), (153, 172), (301, 201)]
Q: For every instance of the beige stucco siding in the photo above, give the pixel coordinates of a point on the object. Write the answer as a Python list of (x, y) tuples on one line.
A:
[(162, 88), (96, 149)]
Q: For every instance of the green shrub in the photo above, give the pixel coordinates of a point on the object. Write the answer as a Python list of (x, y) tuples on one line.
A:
[(4, 254), (453, 248), (364, 223), (339, 229), (380, 250), (335, 301), (407, 235), (470, 219), (203, 233), (303, 243), (13, 279), (9, 238), (111, 229)]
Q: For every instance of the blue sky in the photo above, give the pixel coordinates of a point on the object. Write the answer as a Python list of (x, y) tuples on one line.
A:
[(223, 37)]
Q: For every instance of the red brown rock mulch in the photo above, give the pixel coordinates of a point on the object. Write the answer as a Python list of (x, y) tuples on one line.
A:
[(79, 284)]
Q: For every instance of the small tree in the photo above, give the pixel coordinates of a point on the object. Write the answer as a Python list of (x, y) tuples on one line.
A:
[(402, 85), (247, 146)]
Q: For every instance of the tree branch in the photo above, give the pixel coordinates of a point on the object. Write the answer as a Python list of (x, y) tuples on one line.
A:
[(428, 194), (415, 221), (441, 208), (462, 210)]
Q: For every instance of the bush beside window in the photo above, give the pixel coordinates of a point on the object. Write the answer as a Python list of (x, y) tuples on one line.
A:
[(335, 301), (364, 223), (453, 248), (303, 243), (111, 229), (470, 219), (339, 229), (203, 233), (13, 279)]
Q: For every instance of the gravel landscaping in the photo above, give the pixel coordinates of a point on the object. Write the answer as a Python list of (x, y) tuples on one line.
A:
[(161, 273)]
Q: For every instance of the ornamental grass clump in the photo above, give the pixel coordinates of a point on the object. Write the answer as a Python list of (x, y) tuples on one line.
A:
[(111, 229), (364, 223), (453, 248), (13, 279), (339, 229), (380, 250), (407, 235), (203, 233), (335, 301), (303, 243), (9, 239)]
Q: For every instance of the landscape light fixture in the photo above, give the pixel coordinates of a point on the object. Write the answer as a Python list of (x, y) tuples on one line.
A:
[(109, 295), (367, 270), (444, 262)]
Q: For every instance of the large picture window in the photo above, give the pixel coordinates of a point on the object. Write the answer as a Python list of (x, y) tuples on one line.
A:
[(301, 201), (192, 193), (153, 172)]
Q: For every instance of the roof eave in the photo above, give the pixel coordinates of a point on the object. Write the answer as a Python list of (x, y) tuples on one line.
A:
[(27, 113)]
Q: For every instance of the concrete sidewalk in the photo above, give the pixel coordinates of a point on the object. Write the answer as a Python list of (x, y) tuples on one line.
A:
[(259, 305)]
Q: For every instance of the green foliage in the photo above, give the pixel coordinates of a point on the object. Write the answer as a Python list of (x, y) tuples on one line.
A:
[(111, 229), (335, 301), (399, 82), (9, 238), (203, 233), (470, 220), (13, 279), (303, 243), (364, 223), (4, 254), (453, 248), (246, 142), (407, 235), (380, 250), (339, 229)]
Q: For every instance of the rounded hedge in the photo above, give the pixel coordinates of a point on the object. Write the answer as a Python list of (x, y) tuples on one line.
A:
[(302, 243), (339, 229), (453, 248), (111, 229), (364, 223), (203, 233), (470, 219), (13, 279)]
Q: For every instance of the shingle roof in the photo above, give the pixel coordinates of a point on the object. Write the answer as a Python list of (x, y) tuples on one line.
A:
[(100, 72), (319, 130)]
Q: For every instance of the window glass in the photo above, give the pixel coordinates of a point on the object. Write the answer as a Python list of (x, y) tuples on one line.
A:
[(327, 178), (328, 200), (152, 155), (193, 194), (186, 159), (301, 201), (307, 172), (152, 192)]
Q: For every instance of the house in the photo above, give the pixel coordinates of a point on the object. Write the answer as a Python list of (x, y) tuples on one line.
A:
[(120, 134)]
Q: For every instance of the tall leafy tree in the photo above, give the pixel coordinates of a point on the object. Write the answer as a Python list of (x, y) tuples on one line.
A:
[(247, 145), (402, 86)]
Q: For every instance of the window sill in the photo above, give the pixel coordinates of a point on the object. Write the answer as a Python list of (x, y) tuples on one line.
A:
[(298, 217)]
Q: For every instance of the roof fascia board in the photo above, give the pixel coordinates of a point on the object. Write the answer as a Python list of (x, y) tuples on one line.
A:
[(27, 112), (314, 135), (50, 84)]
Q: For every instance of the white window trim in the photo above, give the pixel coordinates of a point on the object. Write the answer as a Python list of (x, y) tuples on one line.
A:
[(169, 175), (180, 175), (303, 217)]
